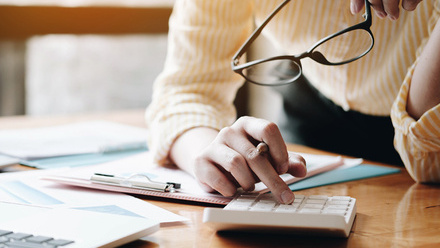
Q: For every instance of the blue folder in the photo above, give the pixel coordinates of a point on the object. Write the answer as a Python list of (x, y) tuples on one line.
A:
[(362, 171)]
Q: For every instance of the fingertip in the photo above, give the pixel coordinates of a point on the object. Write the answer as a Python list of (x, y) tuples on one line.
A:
[(298, 167), (287, 196), (303, 172), (354, 7), (409, 5), (228, 192), (249, 187)]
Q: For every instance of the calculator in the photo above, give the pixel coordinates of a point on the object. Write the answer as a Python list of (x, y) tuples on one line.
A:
[(321, 215)]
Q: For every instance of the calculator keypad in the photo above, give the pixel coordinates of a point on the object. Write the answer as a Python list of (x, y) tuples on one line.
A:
[(315, 204)]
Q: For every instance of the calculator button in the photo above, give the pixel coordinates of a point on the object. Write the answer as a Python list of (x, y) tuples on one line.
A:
[(286, 208), (315, 206), (336, 207), (18, 236), (239, 205), (336, 211), (318, 197), (312, 201), (339, 202), (262, 206), (341, 198), (310, 210)]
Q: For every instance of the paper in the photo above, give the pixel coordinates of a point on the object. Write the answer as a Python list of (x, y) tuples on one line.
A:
[(6, 161), (190, 189), (27, 188), (71, 139)]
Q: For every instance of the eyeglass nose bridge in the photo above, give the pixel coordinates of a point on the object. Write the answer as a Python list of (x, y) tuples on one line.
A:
[(314, 55)]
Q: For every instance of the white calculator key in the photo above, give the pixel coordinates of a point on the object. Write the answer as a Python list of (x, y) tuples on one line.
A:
[(310, 210), (339, 202), (312, 201), (263, 206), (344, 207), (286, 208), (318, 197), (317, 206), (340, 198), (236, 205), (336, 211)]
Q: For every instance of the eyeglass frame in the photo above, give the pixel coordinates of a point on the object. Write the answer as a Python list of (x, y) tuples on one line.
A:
[(314, 55)]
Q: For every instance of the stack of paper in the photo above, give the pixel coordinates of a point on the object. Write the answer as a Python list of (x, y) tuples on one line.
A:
[(82, 143)]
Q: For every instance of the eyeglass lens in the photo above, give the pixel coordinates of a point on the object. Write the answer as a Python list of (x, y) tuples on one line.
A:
[(338, 50)]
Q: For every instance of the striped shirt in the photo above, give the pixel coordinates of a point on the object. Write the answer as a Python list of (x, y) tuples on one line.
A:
[(197, 86)]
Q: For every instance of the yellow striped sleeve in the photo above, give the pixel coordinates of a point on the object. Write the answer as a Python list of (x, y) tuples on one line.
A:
[(418, 141), (197, 87)]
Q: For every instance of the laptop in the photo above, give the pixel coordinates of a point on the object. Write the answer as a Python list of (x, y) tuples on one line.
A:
[(69, 228)]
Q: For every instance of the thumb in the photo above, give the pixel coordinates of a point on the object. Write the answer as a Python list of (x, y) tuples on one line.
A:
[(356, 6), (297, 165)]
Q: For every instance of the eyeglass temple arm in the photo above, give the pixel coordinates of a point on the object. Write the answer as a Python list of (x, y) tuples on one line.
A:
[(257, 32)]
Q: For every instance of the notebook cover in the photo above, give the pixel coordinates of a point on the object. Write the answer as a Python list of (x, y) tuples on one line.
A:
[(338, 176)]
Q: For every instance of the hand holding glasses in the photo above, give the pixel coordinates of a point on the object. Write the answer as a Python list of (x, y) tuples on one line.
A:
[(340, 48)]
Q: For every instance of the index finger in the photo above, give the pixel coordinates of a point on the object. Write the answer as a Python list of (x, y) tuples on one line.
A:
[(263, 169)]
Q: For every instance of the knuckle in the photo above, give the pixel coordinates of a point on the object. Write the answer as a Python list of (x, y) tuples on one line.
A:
[(235, 162), (243, 119), (199, 160), (225, 132), (270, 129), (251, 155)]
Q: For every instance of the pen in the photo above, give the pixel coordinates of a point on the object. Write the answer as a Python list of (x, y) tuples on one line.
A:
[(137, 181), (262, 148)]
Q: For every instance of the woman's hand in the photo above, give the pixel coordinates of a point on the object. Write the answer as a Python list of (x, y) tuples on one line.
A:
[(385, 8), (232, 160)]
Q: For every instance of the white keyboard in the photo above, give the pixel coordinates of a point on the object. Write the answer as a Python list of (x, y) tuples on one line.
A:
[(314, 215)]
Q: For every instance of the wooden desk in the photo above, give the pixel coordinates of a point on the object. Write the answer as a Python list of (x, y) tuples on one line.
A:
[(393, 211)]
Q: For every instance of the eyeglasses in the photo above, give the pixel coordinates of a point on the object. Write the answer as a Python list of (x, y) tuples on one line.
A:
[(340, 48)]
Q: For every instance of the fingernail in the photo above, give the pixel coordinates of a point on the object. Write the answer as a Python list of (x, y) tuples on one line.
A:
[(305, 168), (287, 197), (381, 15), (354, 8)]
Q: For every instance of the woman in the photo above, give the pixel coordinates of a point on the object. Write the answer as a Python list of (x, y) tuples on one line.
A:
[(192, 118)]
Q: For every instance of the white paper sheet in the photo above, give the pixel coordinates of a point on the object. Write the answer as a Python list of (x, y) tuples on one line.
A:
[(70, 139), (28, 188)]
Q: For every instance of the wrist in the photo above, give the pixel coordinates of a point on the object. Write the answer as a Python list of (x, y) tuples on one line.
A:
[(190, 144)]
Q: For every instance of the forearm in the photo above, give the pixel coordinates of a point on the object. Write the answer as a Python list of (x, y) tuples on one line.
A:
[(189, 145), (424, 92)]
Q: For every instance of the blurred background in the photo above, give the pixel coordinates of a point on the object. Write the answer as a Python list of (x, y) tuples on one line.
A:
[(80, 56)]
